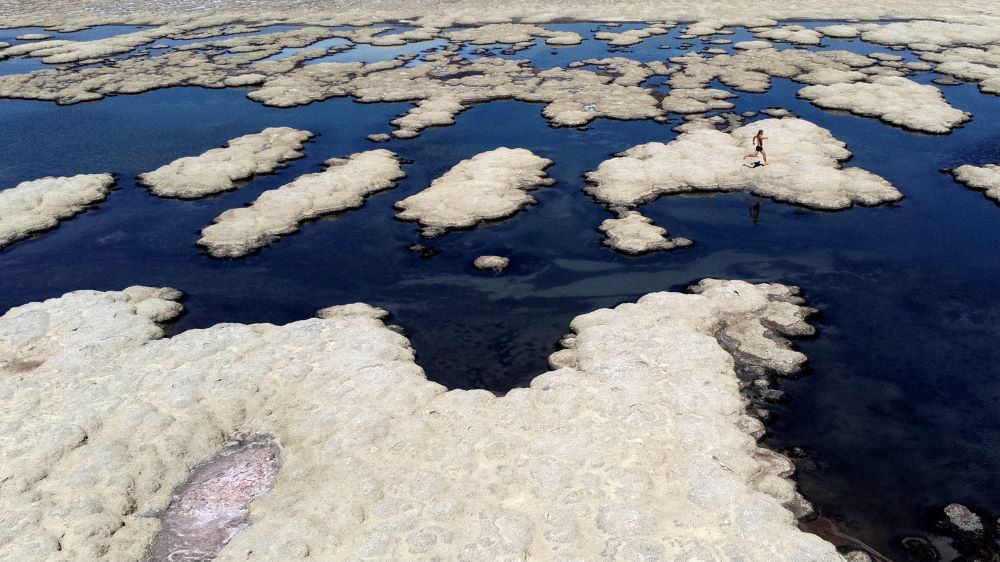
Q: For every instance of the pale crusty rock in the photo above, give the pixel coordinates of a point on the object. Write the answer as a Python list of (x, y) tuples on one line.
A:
[(345, 184), (219, 169), (892, 99), (61, 51), (804, 168), (632, 233), (638, 443), (490, 185), (379, 137), (716, 26), (981, 65), (831, 76), (71, 15), (625, 71), (750, 70), (564, 39), (879, 56), (242, 80), (375, 35), (750, 45), (4, 45), (983, 178), (792, 34), (963, 519), (194, 64), (573, 97), (776, 112), (315, 82), (696, 100), (33, 37), (631, 36), (494, 263), (928, 35), (839, 31), (433, 112), (512, 34), (988, 77), (38, 205), (918, 66)]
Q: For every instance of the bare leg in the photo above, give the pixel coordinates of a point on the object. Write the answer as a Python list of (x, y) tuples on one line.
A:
[(764, 154)]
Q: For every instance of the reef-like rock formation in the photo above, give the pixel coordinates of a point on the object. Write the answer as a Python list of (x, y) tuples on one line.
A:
[(792, 34), (219, 169), (983, 178), (494, 263), (803, 168), (632, 233), (345, 184), (490, 185), (512, 34), (38, 205), (696, 100), (632, 36), (638, 445), (892, 99)]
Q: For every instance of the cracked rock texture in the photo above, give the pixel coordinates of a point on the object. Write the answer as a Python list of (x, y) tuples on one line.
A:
[(219, 169), (892, 99), (490, 185), (38, 205), (804, 168), (633, 233), (345, 184), (983, 178), (636, 446)]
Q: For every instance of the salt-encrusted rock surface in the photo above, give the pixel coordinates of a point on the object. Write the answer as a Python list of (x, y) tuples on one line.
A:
[(490, 185), (219, 169), (636, 447), (633, 233), (983, 178), (68, 15), (37, 205), (494, 263), (345, 184), (696, 100), (792, 34), (892, 99), (803, 168), (632, 36), (512, 34), (963, 519)]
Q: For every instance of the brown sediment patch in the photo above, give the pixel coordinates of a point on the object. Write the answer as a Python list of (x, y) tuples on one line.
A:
[(207, 510), (22, 366)]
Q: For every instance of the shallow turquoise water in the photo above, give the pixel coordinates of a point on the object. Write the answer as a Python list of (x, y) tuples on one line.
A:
[(898, 408)]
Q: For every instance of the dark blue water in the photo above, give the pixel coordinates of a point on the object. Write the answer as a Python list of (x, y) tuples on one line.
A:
[(898, 408)]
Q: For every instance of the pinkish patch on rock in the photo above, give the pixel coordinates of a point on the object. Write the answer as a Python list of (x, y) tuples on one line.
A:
[(213, 505)]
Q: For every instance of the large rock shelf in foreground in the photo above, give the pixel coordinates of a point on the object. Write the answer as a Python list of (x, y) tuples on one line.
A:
[(636, 445)]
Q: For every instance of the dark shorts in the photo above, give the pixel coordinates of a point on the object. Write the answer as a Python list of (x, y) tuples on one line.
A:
[(760, 148)]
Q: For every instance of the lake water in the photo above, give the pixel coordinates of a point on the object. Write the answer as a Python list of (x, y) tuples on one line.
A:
[(898, 407)]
